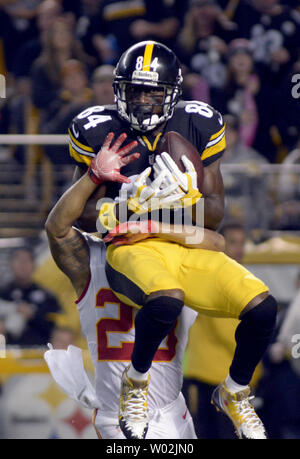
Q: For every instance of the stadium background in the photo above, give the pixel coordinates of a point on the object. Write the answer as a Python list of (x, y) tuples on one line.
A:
[(43, 45)]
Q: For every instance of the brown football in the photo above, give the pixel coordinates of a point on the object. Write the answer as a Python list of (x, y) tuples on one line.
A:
[(177, 145)]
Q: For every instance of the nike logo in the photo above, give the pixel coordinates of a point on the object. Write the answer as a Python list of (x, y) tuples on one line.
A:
[(184, 416)]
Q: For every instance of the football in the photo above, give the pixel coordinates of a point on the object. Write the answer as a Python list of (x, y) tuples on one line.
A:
[(176, 145)]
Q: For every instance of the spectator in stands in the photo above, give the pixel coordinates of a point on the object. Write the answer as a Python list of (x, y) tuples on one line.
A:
[(28, 314), (88, 25), (62, 337), (237, 152), (243, 187), (201, 45), (289, 180), (287, 193), (274, 31), (59, 46), (287, 216), (210, 350), (280, 387), (17, 26), (47, 13), (74, 96), (102, 80), (237, 97), (195, 87), (284, 345), (121, 24), (288, 109)]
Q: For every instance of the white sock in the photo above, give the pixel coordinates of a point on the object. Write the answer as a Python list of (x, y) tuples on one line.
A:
[(233, 386), (134, 374)]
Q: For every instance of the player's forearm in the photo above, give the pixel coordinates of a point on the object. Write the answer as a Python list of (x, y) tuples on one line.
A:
[(192, 237), (69, 207), (213, 211)]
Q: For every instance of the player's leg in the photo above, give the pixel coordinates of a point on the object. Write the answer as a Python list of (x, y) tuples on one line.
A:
[(173, 421), (226, 288), (106, 427), (253, 335), (141, 274), (153, 322), (258, 320)]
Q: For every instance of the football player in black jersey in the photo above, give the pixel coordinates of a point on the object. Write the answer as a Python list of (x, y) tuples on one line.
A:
[(153, 274)]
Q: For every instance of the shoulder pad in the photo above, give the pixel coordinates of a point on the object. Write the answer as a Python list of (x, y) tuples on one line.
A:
[(210, 123), (85, 133)]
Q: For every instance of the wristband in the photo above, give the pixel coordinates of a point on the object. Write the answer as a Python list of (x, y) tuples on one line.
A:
[(94, 177)]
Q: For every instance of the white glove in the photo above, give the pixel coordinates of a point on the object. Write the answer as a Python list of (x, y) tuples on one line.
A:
[(164, 161), (186, 181), (161, 188), (146, 195)]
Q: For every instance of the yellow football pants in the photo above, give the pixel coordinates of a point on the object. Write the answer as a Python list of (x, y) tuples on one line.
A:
[(212, 282)]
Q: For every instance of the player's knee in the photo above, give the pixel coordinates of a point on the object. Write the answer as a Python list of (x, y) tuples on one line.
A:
[(164, 308), (262, 318), (172, 293)]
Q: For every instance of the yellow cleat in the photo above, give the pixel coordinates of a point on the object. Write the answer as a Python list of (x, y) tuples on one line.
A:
[(133, 407), (238, 408)]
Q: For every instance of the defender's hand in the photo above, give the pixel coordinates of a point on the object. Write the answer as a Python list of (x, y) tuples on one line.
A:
[(109, 160), (131, 232)]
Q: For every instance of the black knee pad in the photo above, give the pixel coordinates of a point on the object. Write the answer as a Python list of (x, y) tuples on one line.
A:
[(164, 309), (262, 318)]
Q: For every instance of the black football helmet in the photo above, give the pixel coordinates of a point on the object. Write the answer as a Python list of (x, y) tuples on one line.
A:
[(152, 68)]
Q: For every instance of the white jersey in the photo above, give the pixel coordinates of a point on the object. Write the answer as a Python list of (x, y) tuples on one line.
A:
[(108, 326)]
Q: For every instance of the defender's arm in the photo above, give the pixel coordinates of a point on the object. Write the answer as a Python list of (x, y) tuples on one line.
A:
[(68, 247), (88, 218), (189, 236), (193, 237)]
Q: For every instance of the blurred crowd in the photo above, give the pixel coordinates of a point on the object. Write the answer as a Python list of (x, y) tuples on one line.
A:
[(240, 56)]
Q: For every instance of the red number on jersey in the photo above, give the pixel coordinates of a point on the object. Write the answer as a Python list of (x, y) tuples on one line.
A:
[(124, 324)]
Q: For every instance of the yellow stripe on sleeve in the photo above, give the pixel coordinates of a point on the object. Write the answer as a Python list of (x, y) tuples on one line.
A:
[(78, 157), (80, 145), (148, 56), (214, 136), (214, 149)]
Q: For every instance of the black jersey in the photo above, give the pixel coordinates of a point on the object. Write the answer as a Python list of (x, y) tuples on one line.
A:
[(198, 122)]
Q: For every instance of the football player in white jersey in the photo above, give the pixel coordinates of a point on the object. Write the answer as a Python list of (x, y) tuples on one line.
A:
[(108, 324)]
